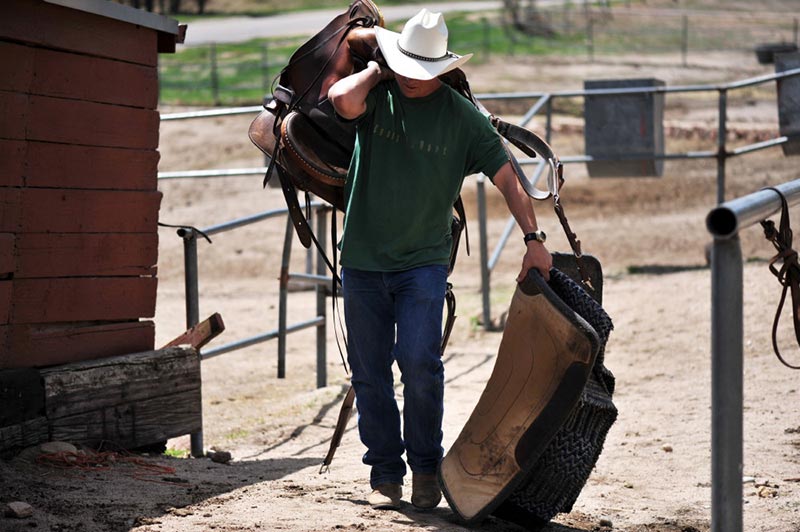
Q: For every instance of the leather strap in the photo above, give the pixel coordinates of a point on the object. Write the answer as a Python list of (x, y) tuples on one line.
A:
[(341, 424), (788, 273)]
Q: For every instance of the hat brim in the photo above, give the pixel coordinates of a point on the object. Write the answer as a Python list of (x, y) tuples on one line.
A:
[(413, 68)]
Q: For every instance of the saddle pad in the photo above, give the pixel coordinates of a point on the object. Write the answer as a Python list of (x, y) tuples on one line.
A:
[(543, 363), (553, 483)]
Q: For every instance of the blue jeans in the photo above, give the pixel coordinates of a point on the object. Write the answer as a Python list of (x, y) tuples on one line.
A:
[(397, 316)]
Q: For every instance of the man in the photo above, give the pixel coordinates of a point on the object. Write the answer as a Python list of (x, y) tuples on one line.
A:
[(416, 141)]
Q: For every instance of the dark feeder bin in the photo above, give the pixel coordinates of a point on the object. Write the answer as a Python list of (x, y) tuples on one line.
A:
[(765, 53), (624, 131), (789, 102)]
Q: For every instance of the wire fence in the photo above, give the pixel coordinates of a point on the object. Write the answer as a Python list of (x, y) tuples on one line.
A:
[(242, 73)]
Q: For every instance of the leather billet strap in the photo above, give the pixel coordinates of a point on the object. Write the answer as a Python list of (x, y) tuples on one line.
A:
[(533, 145), (788, 273)]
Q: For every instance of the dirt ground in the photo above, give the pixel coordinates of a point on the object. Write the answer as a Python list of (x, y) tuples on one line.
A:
[(650, 236)]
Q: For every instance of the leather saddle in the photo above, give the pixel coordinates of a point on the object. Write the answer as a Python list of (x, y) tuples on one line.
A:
[(310, 148)]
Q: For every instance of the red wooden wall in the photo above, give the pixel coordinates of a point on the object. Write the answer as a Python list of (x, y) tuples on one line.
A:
[(78, 185)]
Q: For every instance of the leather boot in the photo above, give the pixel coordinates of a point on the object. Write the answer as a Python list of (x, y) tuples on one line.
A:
[(425, 491), (386, 497)]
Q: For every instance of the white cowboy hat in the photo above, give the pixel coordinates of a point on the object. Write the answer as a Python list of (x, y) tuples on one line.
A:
[(420, 51)]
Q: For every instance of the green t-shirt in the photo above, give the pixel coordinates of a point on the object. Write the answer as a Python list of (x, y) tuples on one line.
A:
[(410, 157)]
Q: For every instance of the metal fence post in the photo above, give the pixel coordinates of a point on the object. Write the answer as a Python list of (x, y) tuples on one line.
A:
[(722, 154), (214, 74), (322, 330), (685, 38), (484, 253), (265, 67), (283, 294), (192, 294), (727, 370)]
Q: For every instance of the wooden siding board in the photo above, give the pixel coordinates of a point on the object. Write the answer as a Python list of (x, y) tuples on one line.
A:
[(14, 113), (89, 254), (89, 123), (93, 79), (82, 299), (10, 209), (16, 67), (38, 345), (88, 211), (7, 261), (12, 162), (6, 293), (70, 166), (62, 28)]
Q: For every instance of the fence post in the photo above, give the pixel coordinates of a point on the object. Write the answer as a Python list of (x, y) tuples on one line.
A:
[(192, 295), (722, 133), (265, 67), (283, 293), (590, 38), (487, 43), (685, 38), (214, 74), (727, 369), (322, 230), (484, 255)]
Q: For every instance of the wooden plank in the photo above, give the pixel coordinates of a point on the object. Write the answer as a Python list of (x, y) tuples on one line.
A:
[(14, 110), (83, 299), (38, 345), (89, 123), (202, 333), (11, 209), (25, 434), (87, 211), (97, 384), (6, 293), (7, 261), (16, 67), (94, 79), (71, 166), (63, 28), (12, 162), (82, 254), (21, 396), (133, 424)]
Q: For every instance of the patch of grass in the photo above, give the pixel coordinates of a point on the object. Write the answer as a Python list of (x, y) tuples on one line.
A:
[(177, 453)]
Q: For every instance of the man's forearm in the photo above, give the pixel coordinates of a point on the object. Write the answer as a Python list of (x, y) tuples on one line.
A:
[(349, 95)]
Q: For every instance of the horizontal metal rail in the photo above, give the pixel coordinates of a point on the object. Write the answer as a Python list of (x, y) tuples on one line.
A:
[(725, 222)]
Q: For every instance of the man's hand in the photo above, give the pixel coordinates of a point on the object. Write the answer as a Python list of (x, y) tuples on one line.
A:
[(384, 72), (537, 257)]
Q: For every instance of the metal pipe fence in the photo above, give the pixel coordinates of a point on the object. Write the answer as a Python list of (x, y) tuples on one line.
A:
[(726, 272), (725, 222), (545, 101)]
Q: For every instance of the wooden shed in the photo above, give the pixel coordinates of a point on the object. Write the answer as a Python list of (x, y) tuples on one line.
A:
[(78, 225)]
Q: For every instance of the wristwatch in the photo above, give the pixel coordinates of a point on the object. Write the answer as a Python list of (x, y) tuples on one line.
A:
[(539, 236)]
